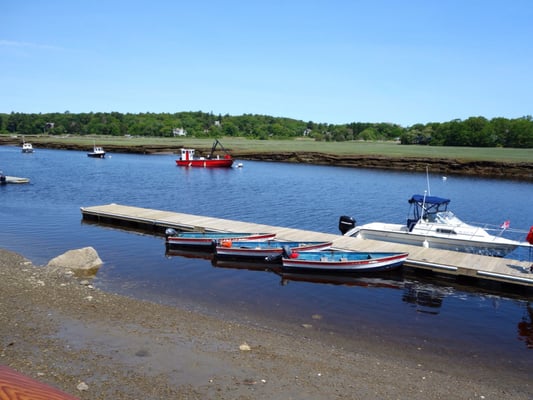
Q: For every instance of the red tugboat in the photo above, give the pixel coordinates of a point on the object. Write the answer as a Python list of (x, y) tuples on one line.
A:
[(188, 159)]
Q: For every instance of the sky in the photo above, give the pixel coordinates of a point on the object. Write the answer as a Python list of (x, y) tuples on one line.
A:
[(337, 61)]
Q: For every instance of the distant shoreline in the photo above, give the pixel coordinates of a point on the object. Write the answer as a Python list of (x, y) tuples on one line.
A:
[(521, 171)]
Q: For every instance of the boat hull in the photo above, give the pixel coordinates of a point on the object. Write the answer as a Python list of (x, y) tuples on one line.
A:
[(206, 163), (209, 240), (269, 251), (27, 148), (96, 155), (343, 262), (397, 234)]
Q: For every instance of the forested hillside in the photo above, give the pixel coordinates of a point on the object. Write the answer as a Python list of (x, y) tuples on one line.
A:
[(474, 131)]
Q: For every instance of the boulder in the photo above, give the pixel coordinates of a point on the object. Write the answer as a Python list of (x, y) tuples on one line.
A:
[(82, 262)]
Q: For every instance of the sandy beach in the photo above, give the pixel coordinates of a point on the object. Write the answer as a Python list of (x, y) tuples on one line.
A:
[(58, 329)]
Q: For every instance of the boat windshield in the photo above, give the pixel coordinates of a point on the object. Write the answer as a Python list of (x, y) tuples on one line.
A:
[(447, 217)]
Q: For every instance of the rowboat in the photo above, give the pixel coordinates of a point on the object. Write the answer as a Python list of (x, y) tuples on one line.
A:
[(188, 159), (342, 261), (208, 240), (264, 250)]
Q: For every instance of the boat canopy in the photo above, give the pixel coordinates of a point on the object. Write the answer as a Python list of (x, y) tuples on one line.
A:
[(425, 207), (420, 198)]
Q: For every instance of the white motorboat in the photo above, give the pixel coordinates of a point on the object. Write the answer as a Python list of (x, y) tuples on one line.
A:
[(431, 224), (98, 152), (27, 147)]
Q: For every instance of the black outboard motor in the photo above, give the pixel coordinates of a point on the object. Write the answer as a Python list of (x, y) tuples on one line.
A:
[(346, 223), (170, 232)]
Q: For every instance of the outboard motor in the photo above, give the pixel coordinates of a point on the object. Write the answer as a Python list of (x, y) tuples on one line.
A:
[(346, 223), (287, 252), (170, 232)]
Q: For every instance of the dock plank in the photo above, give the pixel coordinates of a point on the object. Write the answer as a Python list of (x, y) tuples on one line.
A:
[(442, 261)]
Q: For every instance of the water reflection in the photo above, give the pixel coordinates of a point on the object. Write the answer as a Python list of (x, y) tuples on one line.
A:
[(525, 327), (187, 253), (424, 297)]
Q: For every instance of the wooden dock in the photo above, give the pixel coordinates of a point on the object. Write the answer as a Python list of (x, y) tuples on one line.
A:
[(445, 262)]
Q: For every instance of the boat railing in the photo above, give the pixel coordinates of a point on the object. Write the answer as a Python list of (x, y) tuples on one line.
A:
[(497, 228)]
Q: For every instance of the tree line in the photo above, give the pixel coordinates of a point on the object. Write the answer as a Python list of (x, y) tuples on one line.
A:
[(474, 131)]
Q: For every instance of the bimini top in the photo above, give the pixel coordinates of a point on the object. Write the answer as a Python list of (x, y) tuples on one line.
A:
[(420, 198)]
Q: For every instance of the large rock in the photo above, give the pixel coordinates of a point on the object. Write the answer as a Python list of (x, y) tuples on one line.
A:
[(82, 262)]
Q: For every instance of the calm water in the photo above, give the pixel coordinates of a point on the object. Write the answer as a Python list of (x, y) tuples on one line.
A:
[(42, 220)]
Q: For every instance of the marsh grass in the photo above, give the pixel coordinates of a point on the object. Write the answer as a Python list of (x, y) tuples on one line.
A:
[(242, 145)]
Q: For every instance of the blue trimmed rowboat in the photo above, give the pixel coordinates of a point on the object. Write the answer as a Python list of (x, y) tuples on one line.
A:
[(264, 250), (207, 240), (342, 261)]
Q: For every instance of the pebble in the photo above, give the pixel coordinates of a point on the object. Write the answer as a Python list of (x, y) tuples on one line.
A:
[(245, 347)]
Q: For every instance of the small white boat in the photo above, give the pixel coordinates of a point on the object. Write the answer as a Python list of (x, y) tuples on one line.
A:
[(27, 147), (5, 179), (98, 152), (431, 224)]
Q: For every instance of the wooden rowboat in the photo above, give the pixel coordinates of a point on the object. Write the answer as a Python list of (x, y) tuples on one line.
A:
[(342, 261), (208, 240), (265, 250)]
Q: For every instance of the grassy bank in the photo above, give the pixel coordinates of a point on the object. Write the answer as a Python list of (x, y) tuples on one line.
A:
[(243, 146)]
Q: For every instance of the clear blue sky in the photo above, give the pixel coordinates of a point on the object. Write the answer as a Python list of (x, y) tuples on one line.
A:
[(406, 62)]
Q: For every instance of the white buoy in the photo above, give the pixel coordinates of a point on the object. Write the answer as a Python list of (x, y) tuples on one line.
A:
[(425, 244)]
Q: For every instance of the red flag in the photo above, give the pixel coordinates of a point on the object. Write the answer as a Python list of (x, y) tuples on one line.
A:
[(505, 225)]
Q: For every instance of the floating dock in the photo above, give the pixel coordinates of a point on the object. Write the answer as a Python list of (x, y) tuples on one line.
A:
[(444, 262)]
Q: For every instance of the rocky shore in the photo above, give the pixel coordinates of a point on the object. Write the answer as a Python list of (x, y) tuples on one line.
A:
[(58, 329)]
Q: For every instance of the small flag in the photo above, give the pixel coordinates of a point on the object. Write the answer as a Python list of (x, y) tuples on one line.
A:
[(505, 225)]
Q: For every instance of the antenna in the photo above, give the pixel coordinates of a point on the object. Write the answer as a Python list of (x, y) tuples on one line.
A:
[(427, 180)]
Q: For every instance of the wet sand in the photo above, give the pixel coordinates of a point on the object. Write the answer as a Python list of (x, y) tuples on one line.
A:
[(59, 330)]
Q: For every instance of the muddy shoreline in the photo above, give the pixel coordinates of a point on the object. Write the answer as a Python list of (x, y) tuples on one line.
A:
[(522, 171), (60, 330)]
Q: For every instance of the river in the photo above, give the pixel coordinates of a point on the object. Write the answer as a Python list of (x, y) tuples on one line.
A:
[(42, 219)]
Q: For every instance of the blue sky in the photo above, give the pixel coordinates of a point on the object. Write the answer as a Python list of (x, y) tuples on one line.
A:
[(335, 61)]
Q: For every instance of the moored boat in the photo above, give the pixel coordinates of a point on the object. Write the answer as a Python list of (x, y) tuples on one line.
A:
[(5, 179), (340, 261), (431, 224), (27, 147), (265, 250), (188, 158), (98, 152), (208, 240)]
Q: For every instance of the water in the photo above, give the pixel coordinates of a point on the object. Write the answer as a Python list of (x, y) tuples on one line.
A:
[(42, 220)]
